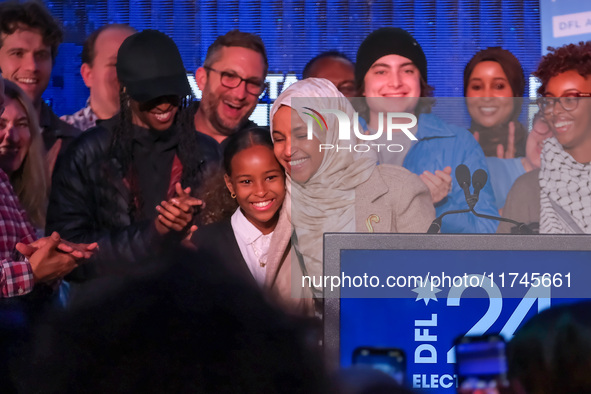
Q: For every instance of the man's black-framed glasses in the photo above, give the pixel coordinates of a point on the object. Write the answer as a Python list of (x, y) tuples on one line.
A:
[(232, 80), (569, 101)]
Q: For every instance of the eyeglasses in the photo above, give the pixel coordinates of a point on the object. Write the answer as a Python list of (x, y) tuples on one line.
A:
[(569, 101), (232, 80)]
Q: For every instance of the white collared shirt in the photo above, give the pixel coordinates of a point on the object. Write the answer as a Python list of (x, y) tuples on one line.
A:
[(253, 244)]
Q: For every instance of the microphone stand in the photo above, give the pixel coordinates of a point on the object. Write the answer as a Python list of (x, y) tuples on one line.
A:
[(479, 180), (522, 228), (436, 224)]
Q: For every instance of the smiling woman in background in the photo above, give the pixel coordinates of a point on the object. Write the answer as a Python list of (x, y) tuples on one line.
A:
[(22, 156), (491, 79), (24, 260), (558, 195), (493, 86)]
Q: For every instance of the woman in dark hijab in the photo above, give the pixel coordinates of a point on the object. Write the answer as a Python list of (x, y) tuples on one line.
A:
[(494, 85)]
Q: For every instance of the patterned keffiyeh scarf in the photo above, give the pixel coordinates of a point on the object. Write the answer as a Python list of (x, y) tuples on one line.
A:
[(565, 196)]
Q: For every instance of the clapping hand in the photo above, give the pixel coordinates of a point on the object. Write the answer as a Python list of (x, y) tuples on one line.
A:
[(439, 184), (52, 258), (78, 251), (177, 213)]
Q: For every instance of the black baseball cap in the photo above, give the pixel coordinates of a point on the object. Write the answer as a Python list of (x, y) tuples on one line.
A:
[(149, 66)]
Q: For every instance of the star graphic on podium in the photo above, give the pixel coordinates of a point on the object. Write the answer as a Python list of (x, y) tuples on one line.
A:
[(425, 293)]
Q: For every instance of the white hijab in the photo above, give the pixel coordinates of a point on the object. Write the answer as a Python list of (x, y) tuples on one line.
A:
[(326, 202)]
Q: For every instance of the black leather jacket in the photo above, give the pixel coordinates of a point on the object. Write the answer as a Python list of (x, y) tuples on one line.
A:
[(90, 202)]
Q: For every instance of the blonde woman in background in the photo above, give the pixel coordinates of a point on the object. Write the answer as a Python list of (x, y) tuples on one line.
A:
[(23, 184), (22, 155)]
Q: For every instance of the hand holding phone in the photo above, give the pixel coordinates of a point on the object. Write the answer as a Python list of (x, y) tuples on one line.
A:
[(481, 364)]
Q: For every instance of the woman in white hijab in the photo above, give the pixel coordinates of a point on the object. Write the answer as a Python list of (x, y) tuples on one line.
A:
[(338, 190)]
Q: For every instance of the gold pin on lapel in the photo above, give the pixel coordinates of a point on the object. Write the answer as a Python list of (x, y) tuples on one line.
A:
[(371, 218)]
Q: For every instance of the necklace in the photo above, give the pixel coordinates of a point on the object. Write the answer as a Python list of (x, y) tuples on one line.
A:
[(261, 257)]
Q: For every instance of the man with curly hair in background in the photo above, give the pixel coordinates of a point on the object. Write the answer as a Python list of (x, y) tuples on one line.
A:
[(29, 38)]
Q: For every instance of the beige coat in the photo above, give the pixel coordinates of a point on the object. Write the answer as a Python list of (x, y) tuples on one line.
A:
[(284, 275), (393, 200)]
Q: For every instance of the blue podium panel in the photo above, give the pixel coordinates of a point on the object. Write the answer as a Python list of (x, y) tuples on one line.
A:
[(419, 293)]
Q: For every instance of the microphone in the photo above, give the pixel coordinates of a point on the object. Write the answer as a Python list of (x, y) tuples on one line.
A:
[(479, 179), (463, 179)]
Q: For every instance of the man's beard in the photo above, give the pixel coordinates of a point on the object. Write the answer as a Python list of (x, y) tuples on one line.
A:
[(220, 124)]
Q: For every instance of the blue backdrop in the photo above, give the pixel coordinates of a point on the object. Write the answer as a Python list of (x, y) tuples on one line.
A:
[(450, 32)]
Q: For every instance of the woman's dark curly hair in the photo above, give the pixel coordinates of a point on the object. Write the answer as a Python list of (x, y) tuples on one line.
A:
[(558, 60)]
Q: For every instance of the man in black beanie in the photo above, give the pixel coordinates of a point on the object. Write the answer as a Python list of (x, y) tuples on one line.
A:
[(391, 73), (127, 182)]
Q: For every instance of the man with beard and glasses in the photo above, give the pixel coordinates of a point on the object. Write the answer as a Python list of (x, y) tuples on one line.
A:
[(29, 38), (232, 79), (128, 182)]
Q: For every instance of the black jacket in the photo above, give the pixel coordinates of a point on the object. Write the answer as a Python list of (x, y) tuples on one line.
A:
[(90, 201), (218, 241), (53, 128)]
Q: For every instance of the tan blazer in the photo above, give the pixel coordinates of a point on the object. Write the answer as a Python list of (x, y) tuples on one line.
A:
[(283, 280), (393, 200)]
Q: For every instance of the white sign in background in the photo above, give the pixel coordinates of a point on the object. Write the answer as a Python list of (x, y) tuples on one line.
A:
[(571, 24)]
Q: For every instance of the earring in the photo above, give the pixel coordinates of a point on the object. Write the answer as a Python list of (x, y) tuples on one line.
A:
[(232, 195)]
